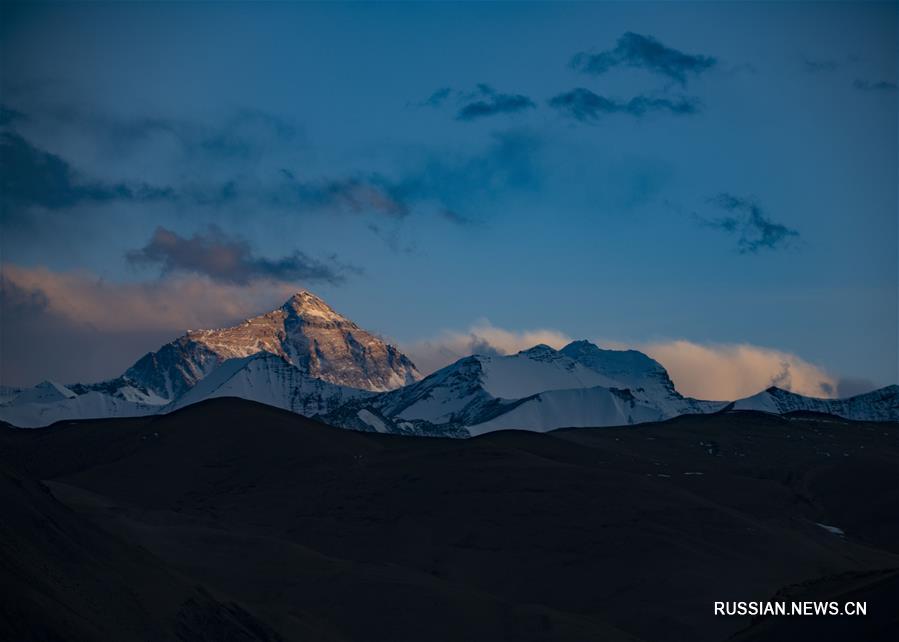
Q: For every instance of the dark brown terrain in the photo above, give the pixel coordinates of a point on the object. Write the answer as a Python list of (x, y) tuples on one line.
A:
[(230, 520)]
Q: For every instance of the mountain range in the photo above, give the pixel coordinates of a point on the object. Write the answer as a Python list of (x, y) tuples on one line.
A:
[(307, 358)]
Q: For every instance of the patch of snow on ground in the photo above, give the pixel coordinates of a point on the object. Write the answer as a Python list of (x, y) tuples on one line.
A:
[(372, 420), (831, 529)]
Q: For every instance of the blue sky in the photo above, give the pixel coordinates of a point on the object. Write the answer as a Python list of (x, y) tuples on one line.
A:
[(726, 174)]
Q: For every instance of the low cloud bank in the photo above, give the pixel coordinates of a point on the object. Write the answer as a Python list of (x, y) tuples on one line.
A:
[(732, 371), (706, 371), (73, 327)]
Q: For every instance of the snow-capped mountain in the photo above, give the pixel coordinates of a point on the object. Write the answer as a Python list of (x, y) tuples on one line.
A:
[(49, 402), (645, 377), (270, 379), (303, 356), (307, 358), (877, 405), (305, 331), (536, 389)]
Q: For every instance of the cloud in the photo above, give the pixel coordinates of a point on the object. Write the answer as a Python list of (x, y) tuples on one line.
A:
[(247, 161), (492, 103), (77, 326), (177, 302), (242, 135), (733, 371), (705, 371), (437, 98), (358, 194), (644, 52), (228, 259), (753, 229), (819, 66), (481, 338), (9, 116), (584, 105), (432, 183), (882, 85), (455, 187), (31, 176)]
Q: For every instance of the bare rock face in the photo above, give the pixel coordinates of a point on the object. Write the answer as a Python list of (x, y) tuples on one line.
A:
[(305, 331)]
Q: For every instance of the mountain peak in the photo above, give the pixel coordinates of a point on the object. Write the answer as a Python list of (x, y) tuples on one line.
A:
[(301, 296), (538, 350), (305, 332), (308, 307), (305, 298)]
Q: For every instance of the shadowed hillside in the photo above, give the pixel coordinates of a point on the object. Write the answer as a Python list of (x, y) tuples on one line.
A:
[(233, 520)]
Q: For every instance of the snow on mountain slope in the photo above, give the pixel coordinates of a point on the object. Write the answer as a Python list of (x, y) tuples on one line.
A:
[(305, 332), (8, 393), (536, 370), (583, 407), (536, 389), (307, 358), (269, 379), (628, 368), (645, 377), (44, 392), (91, 405), (877, 405)]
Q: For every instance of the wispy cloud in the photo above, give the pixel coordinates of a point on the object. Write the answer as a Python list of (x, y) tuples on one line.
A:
[(754, 230), (819, 66), (644, 52), (359, 194), (437, 98), (8, 115), (882, 85), (31, 176), (492, 103), (229, 259), (584, 105)]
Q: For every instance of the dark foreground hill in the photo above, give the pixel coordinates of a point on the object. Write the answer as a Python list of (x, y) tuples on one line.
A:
[(230, 520)]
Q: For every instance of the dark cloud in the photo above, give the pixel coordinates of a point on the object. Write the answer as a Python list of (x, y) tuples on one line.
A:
[(393, 238), (245, 134), (584, 105), (454, 185), (30, 176), (492, 103), (819, 66), (437, 184), (230, 260), (455, 217), (9, 116), (644, 52), (753, 229), (882, 85), (215, 167), (437, 98)]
